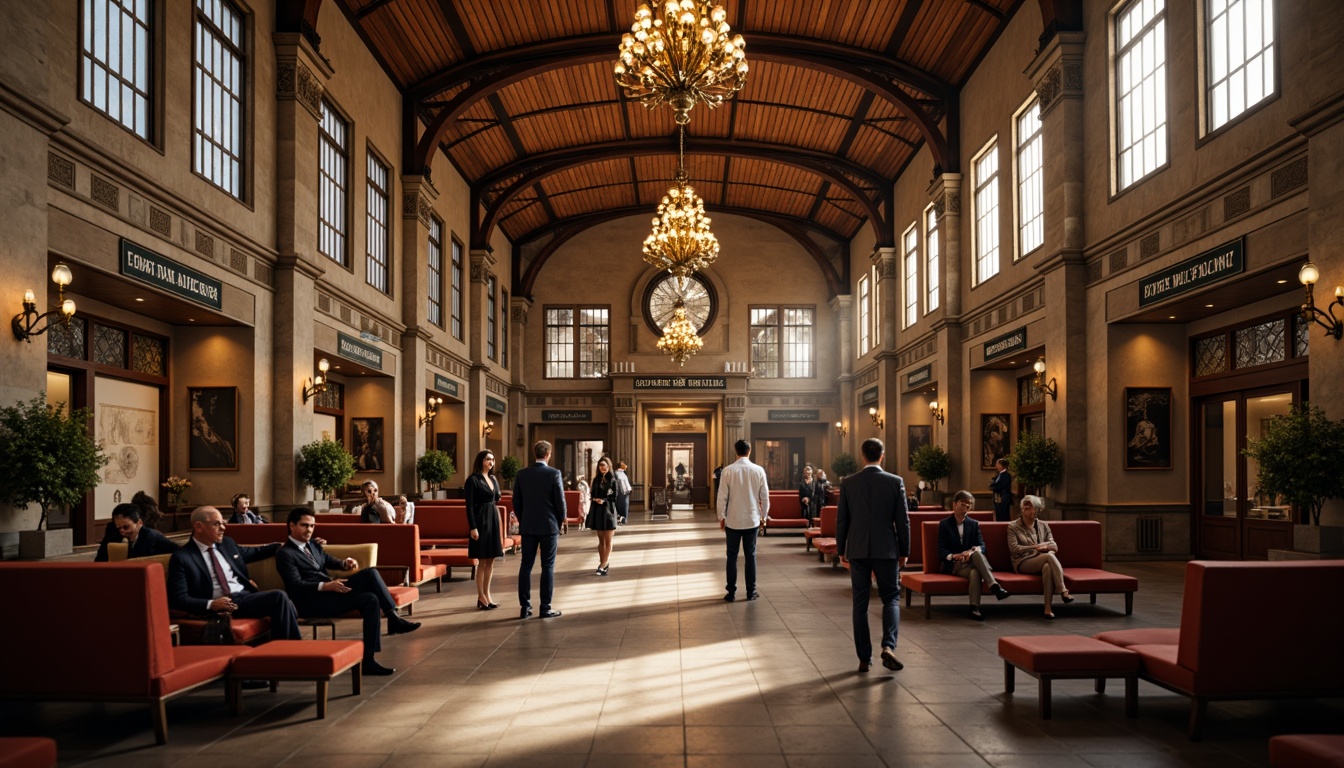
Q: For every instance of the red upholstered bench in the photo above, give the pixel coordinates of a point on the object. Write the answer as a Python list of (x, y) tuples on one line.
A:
[(1061, 657), (317, 660), (825, 539), (27, 752), (443, 526), (1306, 751), (786, 511), (447, 557)]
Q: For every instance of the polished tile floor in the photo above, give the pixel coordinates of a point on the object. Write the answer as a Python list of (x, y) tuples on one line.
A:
[(649, 667)]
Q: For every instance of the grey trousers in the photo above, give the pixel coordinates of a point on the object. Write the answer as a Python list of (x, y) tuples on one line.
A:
[(1052, 573), (978, 566)]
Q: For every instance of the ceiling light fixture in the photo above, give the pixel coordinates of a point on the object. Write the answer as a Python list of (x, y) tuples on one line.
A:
[(679, 339), (681, 59), (681, 241)]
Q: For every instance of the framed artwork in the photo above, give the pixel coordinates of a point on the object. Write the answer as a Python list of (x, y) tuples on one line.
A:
[(214, 428), (918, 436), (366, 444), (1147, 427), (994, 438), (447, 442)]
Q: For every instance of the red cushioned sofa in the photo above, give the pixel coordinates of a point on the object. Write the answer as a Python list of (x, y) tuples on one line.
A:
[(921, 516), (1080, 552), (398, 550), (66, 610), (1287, 645), (786, 512)]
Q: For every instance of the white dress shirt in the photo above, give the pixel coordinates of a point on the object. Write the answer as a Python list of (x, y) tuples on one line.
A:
[(743, 498)]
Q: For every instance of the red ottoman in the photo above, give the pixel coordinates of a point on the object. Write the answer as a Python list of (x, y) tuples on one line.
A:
[(1306, 751), (316, 660), (27, 752), (1063, 657)]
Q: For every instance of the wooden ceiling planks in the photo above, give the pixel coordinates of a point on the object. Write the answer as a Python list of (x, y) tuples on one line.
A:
[(430, 46), (495, 26)]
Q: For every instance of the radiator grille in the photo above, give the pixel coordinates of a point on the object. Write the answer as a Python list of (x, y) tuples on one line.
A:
[(1150, 534)]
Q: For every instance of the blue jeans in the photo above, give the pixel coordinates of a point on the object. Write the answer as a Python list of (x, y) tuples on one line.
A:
[(889, 589), (548, 545), (744, 539)]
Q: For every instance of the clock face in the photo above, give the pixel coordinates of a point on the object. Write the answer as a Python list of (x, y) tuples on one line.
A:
[(661, 297)]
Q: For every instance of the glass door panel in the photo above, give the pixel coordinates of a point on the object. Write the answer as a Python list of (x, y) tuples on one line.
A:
[(1218, 489), (1268, 521)]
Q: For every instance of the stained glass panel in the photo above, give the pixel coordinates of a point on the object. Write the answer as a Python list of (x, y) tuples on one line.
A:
[(1211, 355), (333, 398), (1261, 344), (109, 346), (146, 355), (67, 341), (1027, 394)]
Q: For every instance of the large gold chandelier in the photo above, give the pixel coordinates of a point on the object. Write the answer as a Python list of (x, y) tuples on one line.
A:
[(681, 241), (683, 58), (679, 338)]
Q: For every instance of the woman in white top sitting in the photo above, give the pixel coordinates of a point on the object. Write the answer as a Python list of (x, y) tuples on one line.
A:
[(1033, 549)]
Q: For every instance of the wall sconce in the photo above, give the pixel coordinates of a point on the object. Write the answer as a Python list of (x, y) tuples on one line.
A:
[(1309, 274), (840, 429), (936, 412), (318, 384), (431, 410), (1052, 387), (876, 417), (25, 323), (486, 428)]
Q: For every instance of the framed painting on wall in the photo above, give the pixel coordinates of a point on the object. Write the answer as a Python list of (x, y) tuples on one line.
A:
[(918, 436), (994, 438), (1147, 428), (366, 444), (214, 428)]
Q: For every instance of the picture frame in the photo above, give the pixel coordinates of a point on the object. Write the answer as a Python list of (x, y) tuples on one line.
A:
[(366, 443), (213, 433), (1147, 428), (917, 436), (995, 438)]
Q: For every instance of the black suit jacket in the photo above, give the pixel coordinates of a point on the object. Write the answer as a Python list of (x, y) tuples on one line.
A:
[(539, 500), (189, 587), (1002, 484), (303, 576), (949, 543), (872, 522), (149, 542)]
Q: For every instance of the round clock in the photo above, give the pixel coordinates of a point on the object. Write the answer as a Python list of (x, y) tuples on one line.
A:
[(661, 296)]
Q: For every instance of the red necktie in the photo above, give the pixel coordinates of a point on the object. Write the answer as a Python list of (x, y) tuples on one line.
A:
[(219, 572)]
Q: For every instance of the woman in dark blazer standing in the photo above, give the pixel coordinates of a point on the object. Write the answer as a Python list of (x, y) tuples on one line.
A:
[(483, 516), (602, 512), (810, 496)]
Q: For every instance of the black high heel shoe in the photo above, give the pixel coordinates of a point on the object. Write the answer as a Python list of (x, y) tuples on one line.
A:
[(482, 606), (1066, 597)]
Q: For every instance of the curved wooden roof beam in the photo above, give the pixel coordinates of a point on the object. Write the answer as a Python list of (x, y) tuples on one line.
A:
[(790, 225)]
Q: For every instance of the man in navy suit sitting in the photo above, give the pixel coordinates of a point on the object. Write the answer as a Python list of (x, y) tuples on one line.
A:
[(539, 503), (209, 575), (961, 549), (303, 565)]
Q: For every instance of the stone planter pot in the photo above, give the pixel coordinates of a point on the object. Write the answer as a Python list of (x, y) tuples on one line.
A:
[(1320, 539), (40, 545), (441, 494), (320, 505)]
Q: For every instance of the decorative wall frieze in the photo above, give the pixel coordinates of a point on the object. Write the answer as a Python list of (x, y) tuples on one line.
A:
[(294, 81)]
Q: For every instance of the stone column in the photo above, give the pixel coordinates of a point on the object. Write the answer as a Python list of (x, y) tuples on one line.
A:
[(843, 307), (301, 75), (1057, 72), (477, 307), (945, 194), (417, 196), (888, 295)]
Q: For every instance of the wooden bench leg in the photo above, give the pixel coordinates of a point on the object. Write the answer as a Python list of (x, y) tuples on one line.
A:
[(356, 678), (1131, 695), (928, 606), (1129, 603), (1009, 677), (235, 696), (158, 712), (1100, 686), (1094, 598), (322, 686), (1198, 708), (1044, 694)]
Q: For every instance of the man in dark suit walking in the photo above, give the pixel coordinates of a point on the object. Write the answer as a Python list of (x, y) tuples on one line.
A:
[(872, 531), (1002, 486), (961, 549), (209, 575), (539, 503), (303, 565)]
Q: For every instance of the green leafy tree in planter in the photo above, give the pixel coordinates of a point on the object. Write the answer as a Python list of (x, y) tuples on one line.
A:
[(1301, 459), (435, 468), (932, 464), (844, 464), (1036, 461), (325, 466), (47, 455), (508, 469)]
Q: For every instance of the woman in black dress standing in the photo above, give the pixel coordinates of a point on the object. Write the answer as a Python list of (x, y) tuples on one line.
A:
[(483, 516), (602, 512), (809, 496)]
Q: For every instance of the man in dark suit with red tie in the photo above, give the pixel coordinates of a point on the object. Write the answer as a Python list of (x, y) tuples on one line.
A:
[(303, 565), (872, 531), (539, 503), (209, 575)]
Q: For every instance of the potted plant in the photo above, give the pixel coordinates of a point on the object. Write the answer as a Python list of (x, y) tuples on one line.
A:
[(1036, 462), (1299, 460), (325, 466), (932, 464), (435, 468), (843, 465), (47, 457), (508, 469)]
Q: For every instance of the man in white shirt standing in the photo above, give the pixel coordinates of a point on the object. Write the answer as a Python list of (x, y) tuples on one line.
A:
[(743, 501)]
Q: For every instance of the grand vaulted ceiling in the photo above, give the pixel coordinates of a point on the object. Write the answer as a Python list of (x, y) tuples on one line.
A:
[(520, 97)]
